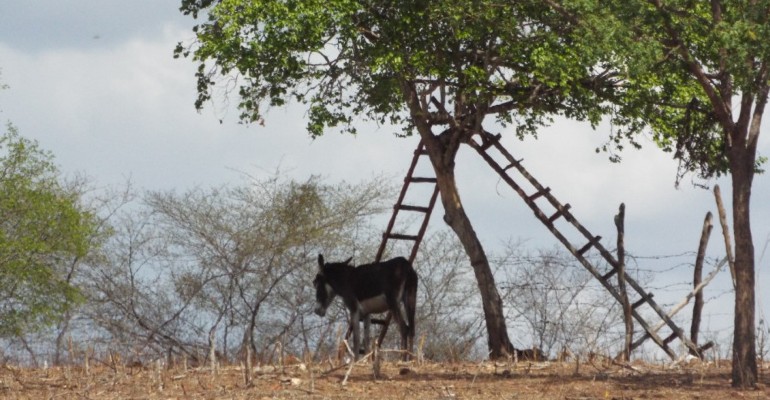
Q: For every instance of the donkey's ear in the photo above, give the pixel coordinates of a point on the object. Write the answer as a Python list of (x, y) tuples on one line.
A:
[(320, 262), (348, 260)]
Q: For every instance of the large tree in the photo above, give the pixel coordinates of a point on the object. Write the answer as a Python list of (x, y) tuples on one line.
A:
[(443, 67), (696, 74), (44, 232), (439, 68)]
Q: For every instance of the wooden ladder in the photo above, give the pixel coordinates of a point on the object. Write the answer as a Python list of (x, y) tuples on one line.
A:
[(425, 210), (400, 206), (485, 141)]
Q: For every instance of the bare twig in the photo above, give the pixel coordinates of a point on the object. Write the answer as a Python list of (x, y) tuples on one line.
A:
[(626, 365), (692, 293), (351, 364)]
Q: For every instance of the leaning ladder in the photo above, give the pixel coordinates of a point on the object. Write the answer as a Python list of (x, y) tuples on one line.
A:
[(423, 210), (482, 145)]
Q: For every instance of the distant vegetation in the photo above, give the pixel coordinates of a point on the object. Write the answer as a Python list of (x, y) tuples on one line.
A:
[(148, 275)]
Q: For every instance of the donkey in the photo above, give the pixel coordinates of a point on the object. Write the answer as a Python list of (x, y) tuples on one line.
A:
[(369, 289)]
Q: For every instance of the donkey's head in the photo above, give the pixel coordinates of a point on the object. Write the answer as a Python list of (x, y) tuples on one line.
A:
[(324, 283)]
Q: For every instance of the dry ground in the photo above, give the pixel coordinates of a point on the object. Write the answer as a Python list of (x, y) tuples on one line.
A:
[(486, 380)]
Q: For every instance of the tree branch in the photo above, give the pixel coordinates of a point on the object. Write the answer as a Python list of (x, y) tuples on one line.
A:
[(759, 109), (722, 109)]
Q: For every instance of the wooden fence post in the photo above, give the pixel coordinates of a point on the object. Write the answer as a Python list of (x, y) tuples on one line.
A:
[(627, 317), (697, 278)]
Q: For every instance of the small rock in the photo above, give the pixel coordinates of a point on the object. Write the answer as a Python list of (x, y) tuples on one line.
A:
[(292, 381)]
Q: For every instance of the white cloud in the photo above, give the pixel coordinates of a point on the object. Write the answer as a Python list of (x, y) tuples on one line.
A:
[(127, 111)]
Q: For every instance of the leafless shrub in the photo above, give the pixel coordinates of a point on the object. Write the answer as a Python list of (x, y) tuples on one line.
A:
[(450, 325), (232, 263), (555, 304)]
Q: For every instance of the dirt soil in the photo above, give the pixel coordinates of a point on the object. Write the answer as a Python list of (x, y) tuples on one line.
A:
[(485, 380)]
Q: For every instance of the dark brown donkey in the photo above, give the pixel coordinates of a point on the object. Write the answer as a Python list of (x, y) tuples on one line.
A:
[(369, 289)]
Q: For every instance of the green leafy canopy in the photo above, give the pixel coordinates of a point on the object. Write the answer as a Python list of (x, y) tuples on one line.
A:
[(691, 72), (43, 229), (348, 58), (521, 62)]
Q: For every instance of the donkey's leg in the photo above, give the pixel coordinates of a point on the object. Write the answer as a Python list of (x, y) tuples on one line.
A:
[(355, 317), (399, 314), (403, 326), (405, 322), (367, 332)]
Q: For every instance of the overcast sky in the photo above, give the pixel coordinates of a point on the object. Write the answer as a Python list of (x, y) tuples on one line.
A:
[(94, 81)]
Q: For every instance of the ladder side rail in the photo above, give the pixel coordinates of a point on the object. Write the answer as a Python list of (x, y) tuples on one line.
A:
[(545, 192), (507, 178), (551, 199), (424, 225), (569, 217)]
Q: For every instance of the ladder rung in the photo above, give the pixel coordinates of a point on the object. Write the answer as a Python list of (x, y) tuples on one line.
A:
[(491, 141), (641, 301), (539, 193), (421, 180), (670, 338), (705, 347), (516, 163), (590, 244), (559, 213), (608, 275), (647, 335), (412, 208), (399, 236)]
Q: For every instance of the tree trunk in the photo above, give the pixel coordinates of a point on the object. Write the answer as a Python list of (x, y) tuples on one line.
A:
[(213, 348), (442, 150), (63, 327), (744, 347), (442, 157)]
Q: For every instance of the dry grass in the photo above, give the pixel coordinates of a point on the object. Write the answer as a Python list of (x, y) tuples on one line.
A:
[(488, 381)]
